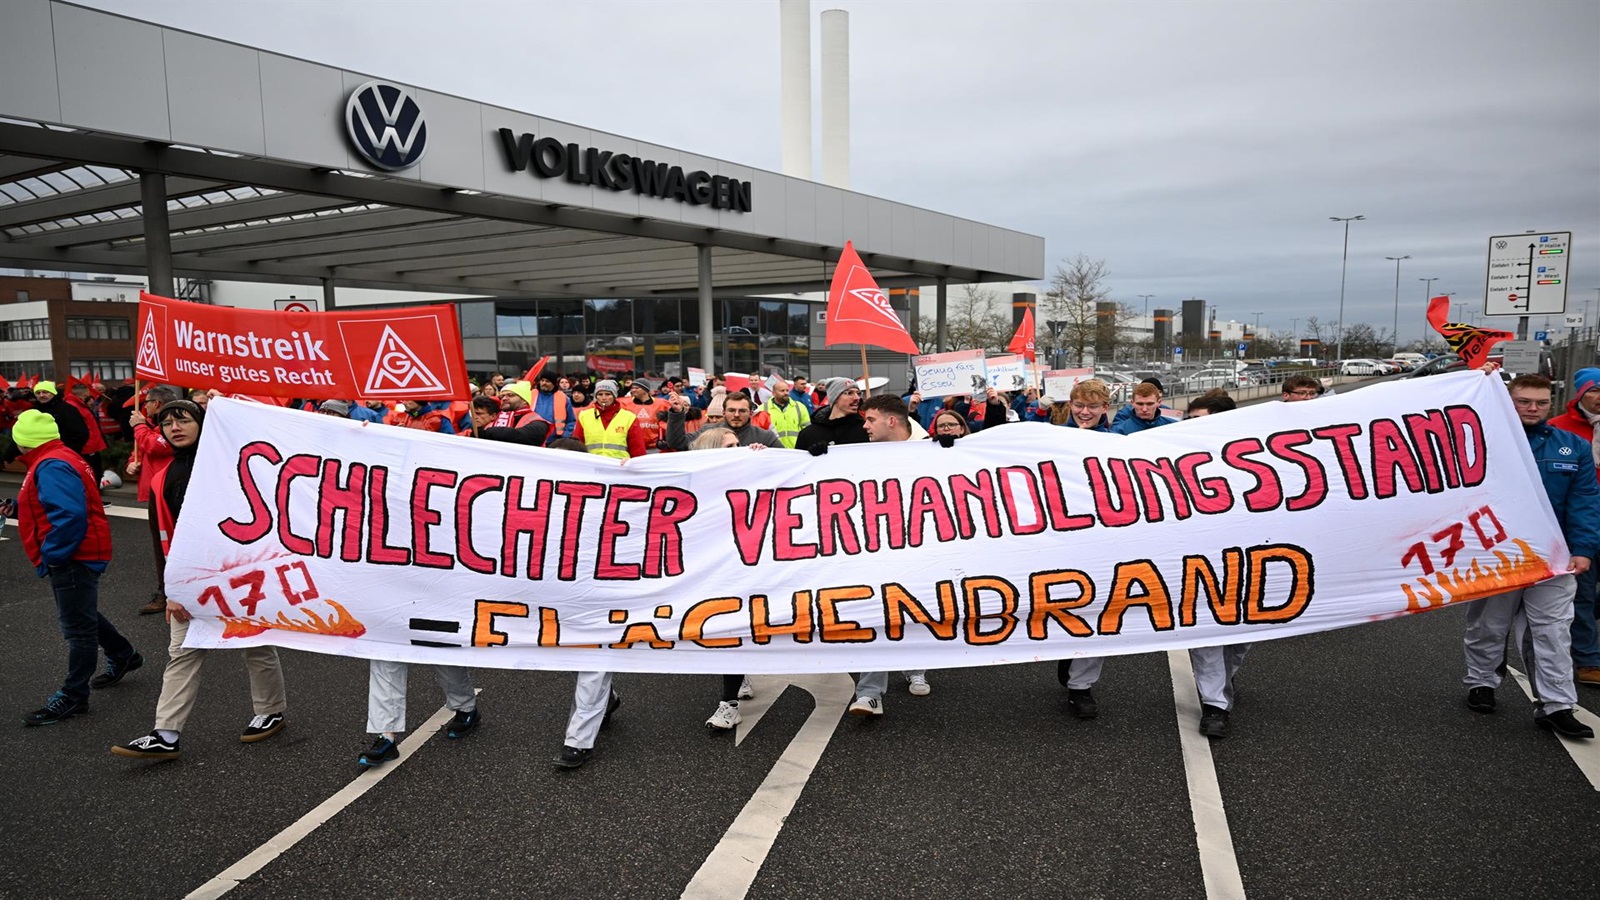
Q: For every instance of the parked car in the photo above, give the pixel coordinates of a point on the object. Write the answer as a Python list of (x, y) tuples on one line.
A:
[(1366, 367)]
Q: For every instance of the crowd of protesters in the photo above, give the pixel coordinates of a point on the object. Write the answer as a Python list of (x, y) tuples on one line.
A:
[(60, 436)]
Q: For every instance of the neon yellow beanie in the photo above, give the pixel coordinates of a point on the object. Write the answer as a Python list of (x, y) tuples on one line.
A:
[(34, 429), (46, 386), (521, 389)]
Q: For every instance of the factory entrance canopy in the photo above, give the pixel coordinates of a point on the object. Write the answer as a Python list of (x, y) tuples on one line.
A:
[(278, 169)]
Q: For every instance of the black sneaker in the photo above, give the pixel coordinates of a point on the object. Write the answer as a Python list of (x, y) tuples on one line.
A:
[(611, 707), (261, 728), (57, 708), (156, 603), (116, 671), (382, 750), (1481, 699), (1213, 721), (461, 723), (151, 746), (1080, 702), (1564, 723), (572, 757)]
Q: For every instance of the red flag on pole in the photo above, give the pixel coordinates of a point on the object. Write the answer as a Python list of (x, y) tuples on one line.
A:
[(4, 384), (1022, 341), (1470, 342), (533, 373), (859, 311)]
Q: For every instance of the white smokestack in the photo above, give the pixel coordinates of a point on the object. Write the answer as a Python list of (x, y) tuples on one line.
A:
[(794, 18), (836, 98)]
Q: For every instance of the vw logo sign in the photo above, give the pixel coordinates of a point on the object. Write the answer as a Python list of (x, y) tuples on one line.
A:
[(386, 125)]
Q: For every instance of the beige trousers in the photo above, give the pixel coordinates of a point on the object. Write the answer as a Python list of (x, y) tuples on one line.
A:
[(180, 683)]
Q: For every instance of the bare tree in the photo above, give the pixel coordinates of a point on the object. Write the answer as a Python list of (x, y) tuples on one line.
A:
[(977, 320), (1077, 286)]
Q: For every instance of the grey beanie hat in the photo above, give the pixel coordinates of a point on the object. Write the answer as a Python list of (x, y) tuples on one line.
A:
[(335, 408), (606, 385), (835, 388)]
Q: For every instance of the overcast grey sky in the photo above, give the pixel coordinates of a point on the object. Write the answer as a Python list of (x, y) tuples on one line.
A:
[(1198, 147)]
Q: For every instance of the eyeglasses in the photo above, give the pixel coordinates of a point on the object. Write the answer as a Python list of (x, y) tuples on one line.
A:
[(1531, 404), (1307, 393), (1087, 407)]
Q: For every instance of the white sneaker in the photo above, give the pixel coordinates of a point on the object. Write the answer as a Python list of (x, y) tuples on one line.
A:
[(746, 690), (726, 716), (919, 685), (866, 706)]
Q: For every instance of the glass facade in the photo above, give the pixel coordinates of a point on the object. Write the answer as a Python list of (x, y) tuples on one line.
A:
[(658, 335), (97, 329)]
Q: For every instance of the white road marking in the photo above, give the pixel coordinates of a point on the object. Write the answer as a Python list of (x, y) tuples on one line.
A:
[(1218, 864), (1586, 754), (278, 844), (732, 866), (127, 513)]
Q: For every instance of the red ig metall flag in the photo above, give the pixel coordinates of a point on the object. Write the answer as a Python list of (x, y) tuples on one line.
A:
[(859, 311), (389, 354), (1022, 341), (1469, 342)]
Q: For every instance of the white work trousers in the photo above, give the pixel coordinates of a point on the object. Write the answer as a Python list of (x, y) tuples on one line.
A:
[(386, 693), (590, 697), (1214, 668), (1542, 614)]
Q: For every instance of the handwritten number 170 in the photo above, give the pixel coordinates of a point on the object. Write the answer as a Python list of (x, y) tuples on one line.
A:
[(294, 582), (1449, 541)]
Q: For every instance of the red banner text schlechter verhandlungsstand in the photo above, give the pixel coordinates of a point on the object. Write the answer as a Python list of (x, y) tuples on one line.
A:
[(386, 354)]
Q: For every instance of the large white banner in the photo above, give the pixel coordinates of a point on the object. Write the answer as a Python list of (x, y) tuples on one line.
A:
[(1019, 543)]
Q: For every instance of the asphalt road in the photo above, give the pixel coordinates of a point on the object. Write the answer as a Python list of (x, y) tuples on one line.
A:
[(1354, 770)]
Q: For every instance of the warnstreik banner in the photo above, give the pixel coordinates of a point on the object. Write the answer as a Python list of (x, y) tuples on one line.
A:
[(1023, 542), (413, 353)]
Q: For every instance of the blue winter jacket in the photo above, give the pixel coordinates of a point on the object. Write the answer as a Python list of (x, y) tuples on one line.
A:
[(1566, 466), (1133, 424)]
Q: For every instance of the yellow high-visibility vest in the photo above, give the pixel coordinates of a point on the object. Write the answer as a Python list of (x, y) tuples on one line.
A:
[(788, 421), (606, 440)]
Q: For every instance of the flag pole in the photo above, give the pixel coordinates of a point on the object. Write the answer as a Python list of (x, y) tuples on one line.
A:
[(866, 374), (133, 455)]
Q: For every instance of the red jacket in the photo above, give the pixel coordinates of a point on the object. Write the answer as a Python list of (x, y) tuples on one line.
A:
[(36, 503), (97, 440), (154, 454), (1574, 421)]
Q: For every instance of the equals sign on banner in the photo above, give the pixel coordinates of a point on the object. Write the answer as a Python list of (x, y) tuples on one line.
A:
[(435, 626)]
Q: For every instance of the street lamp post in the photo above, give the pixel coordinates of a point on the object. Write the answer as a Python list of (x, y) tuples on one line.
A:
[(1152, 325), (1344, 266), (1395, 336)]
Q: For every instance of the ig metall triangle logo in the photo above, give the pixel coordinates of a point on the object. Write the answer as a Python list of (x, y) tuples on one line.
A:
[(150, 348), (397, 368)]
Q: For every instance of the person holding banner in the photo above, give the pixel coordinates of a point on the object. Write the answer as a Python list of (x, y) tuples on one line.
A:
[(150, 458), (181, 422), (885, 418), (1089, 403), (593, 697), (837, 421), (67, 538), (609, 430), (948, 425), (1583, 411), (736, 409), (1541, 613), (386, 707), (734, 687)]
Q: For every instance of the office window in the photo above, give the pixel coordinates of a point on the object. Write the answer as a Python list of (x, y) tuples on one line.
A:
[(25, 330)]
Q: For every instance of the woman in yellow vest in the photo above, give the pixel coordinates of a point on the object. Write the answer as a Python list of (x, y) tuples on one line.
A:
[(609, 430)]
